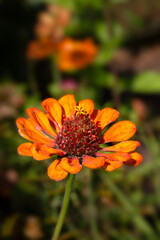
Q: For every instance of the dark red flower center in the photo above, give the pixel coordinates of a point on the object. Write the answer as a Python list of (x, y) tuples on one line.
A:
[(78, 55), (79, 136)]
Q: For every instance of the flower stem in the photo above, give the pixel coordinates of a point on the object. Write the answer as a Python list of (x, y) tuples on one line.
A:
[(64, 207)]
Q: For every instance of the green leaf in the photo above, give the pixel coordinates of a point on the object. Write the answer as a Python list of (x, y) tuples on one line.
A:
[(146, 82), (104, 55)]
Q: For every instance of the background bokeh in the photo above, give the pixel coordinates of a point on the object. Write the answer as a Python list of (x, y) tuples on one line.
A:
[(124, 74)]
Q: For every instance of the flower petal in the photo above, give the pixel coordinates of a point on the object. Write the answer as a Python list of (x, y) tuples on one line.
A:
[(54, 109), (92, 162), (41, 119), (26, 123), (30, 131), (23, 134), (41, 151), (120, 131), (71, 165), (112, 165), (25, 149), (55, 172), (95, 114), (36, 137), (106, 116), (29, 124), (135, 160), (119, 156), (68, 103), (126, 146), (87, 105)]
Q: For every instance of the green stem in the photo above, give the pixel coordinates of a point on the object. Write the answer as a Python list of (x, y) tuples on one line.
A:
[(56, 76), (64, 207)]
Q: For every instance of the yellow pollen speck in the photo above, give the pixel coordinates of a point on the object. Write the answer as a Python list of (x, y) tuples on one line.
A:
[(80, 110)]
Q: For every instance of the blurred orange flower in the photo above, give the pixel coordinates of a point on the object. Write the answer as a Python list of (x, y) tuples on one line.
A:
[(40, 49), (52, 22), (72, 131), (45, 25), (74, 55), (61, 14)]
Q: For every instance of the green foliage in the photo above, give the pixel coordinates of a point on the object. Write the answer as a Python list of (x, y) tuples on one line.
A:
[(147, 82), (123, 204)]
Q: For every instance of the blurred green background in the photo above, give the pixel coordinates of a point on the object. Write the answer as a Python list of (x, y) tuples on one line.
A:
[(124, 204)]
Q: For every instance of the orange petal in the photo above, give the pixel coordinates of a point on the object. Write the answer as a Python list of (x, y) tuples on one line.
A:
[(41, 119), (25, 149), (25, 123), (41, 151), (30, 131), (20, 123), (93, 162), (95, 114), (68, 103), (36, 137), (23, 134), (87, 105), (127, 146), (112, 165), (120, 131), (55, 172), (106, 116), (115, 156), (71, 165), (135, 160), (54, 109)]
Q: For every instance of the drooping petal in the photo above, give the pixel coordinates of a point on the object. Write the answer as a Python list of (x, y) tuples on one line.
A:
[(41, 151), (55, 172), (119, 156), (126, 146), (135, 160), (106, 116), (120, 131), (68, 103), (41, 119), (25, 149), (112, 165), (71, 165), (87, 105), (36, 137), (93, 162), (54, 109)]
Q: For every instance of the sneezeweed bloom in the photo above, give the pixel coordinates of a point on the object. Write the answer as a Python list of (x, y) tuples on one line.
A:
[(73, 55), (73, 131)]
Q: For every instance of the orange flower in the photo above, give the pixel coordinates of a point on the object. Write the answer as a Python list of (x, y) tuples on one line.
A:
[(74, 55), (40, 49), (72, 131), (44, 26)]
